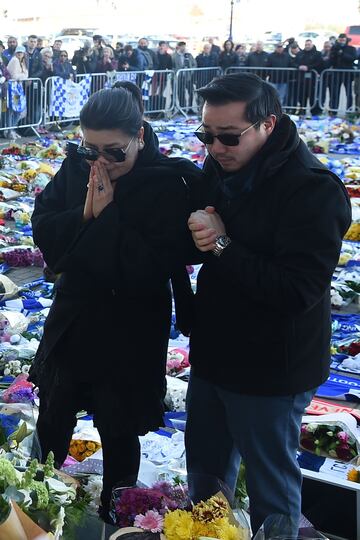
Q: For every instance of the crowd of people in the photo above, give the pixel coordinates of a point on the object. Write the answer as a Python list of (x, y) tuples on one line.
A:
[(293, 71)]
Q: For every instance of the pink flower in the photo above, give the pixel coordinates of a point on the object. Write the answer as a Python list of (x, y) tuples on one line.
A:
[(150, 521), (343, 437), (173, 364)]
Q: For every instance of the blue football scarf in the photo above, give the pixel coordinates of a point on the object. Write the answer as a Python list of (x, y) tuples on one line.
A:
[(340, 387)]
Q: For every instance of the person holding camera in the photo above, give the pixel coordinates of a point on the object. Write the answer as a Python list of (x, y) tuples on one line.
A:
[(342, 56), (82, 60)]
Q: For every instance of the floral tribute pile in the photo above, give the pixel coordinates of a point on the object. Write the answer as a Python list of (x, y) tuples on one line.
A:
[(166, 508)]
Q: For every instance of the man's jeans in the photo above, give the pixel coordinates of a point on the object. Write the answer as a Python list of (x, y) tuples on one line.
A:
[(223, 427)]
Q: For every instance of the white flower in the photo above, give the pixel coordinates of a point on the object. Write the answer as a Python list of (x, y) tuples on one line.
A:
[(25, 368), (336, 299), (312, 427), (93, 488), (7, 371), (58, 522)]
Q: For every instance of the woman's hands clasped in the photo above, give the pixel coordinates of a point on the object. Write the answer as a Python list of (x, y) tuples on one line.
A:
[(100, 191)]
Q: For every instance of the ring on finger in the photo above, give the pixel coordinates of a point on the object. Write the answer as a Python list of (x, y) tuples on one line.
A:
[(100, 188)]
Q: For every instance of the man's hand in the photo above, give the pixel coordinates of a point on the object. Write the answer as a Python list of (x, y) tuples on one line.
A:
[(205, 226)]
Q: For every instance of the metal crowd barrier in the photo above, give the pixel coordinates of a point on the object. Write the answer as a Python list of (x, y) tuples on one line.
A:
[(187, 82), (298, 90), (340, 90), (54, 112), (22, 104), (168, 92), (157, 88)]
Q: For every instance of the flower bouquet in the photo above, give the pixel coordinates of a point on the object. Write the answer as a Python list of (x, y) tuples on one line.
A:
[(330, 435), (177, 361), (165, 511), (140, 507), (81, 449), (341, 295), (49, 498)]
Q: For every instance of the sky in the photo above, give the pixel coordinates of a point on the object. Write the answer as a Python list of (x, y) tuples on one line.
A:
[(184, 17)]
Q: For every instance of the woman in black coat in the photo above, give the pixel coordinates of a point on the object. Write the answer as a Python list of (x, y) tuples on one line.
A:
[(113, 222), (228, 57)]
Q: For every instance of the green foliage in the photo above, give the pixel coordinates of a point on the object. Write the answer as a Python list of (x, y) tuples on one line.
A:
[(240, 490), (5, 509)]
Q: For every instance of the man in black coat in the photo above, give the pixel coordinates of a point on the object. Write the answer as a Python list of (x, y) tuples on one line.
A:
[(258, 58), (309, 62), (33, 91), (280, 77), (342, 57), (260, 341)]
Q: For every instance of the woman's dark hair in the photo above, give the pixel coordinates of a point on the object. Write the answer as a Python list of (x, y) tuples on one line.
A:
[(117, 108), (228, 41), (260, 97)]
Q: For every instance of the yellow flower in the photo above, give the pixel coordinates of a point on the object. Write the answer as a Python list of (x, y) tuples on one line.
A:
[(88, 453), (91, 446), (353, 475), (178, 525), (81, 448), (230, 532)]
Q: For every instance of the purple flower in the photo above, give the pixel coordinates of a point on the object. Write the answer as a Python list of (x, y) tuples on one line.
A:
[(343, 437)]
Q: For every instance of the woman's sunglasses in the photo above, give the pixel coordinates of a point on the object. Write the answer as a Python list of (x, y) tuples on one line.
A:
[(112, 154), (227, 139)]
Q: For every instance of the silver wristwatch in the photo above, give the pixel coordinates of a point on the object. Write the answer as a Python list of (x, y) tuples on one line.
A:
[(221, 243)]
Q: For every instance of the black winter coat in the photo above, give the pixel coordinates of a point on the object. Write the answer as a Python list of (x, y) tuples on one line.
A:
[(279, 60), (312, 59), (262, 322), (255, 59), (207, 60), (228, 59), (35, 64), (342, 57), (112, 308), (163, 61)]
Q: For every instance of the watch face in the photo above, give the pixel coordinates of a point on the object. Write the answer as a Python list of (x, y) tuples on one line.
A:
[(222, 241)]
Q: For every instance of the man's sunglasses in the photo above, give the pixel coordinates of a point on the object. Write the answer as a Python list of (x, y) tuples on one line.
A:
[(112, 154), (227, 139)]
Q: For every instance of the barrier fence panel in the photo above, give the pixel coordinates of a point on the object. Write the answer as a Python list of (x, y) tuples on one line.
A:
[(187, 82), (298, 90), (63, 99), (157, 88), (22, 104), (340, 90)]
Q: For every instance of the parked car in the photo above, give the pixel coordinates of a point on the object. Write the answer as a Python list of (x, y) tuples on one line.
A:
[(353, 32), (317, 38)]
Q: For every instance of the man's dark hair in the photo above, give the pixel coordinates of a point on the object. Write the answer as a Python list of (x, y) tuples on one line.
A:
[(162, 43), (58, 41), (32, 36), (260, 97), (116, 108), (181, 43)]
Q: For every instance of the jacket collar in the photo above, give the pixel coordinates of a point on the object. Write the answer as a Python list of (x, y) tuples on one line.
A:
[(276, 151)]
